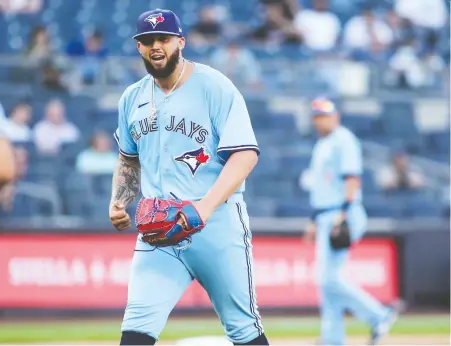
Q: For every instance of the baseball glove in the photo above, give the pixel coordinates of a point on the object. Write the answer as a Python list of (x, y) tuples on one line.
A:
[(340, 237), (167, 222)]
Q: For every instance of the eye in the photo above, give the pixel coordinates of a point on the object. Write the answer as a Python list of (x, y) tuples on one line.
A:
[(186, 157)]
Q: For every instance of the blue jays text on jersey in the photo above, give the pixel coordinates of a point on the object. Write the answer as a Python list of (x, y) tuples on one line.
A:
[(187, 128), (198, 126)]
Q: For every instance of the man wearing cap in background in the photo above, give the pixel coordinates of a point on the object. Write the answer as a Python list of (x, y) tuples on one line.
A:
[(338, 221), (184, 131)]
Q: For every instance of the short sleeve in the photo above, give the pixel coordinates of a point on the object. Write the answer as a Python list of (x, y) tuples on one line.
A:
[(350, 155), (231, 122), (127, 145)]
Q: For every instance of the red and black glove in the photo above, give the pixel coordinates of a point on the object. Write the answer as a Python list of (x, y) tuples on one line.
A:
[(167, 222)]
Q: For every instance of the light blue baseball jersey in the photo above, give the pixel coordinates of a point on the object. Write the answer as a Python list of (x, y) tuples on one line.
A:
[(197, 128), (334, 157)]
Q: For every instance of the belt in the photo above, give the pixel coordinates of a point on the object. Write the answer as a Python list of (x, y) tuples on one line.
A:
[(320, 211)]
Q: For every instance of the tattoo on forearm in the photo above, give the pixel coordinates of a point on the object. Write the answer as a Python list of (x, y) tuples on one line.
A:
[(127, 182)]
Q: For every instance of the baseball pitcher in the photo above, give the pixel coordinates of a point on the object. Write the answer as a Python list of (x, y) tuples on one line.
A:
[(186, 141)]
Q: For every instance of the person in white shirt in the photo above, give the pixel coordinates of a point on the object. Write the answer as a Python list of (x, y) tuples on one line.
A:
[(54, 129), (399, 175), (431, 14), (367, 33), (319, 27), (16, 127), (99, 158)]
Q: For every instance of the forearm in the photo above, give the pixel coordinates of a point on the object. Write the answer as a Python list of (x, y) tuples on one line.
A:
[(126, 181), (235, 171), (352, 185)]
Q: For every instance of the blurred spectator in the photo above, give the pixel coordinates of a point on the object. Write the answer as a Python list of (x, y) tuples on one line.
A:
[(319, 27), (366, 34), (208, 29), (399, 175), (426, 14), (38, 49), (54, 129), (289, 7), (238, 63), (429, 18), (402, 29), (20, 6), (99, 158), (409, 69), (278, 27), (16, 127), (90, 54), (52, 77), (21, 161)]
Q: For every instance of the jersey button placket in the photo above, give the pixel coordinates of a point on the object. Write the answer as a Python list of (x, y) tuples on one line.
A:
[(165, 164)]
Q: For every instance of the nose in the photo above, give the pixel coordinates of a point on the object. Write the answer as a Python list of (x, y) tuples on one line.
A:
[(155, 45)]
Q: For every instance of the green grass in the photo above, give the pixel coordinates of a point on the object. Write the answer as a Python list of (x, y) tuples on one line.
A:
[(289, 327)]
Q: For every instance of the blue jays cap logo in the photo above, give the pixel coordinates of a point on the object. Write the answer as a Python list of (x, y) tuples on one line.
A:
[(155, 19), (194, 159), (323, 106)]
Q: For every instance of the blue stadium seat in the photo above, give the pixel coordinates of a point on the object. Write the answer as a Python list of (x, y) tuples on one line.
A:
[(24, 207), (292, 167), (360, 125), (438, 142), (261, 209), (275, 187), (368, 183), (266, 166), (77, 195), (293, 208)]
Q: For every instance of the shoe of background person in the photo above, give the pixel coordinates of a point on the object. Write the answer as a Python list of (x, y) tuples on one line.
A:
[(383, 328)]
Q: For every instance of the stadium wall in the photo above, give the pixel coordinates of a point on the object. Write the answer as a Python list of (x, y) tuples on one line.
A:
[(86, 270)]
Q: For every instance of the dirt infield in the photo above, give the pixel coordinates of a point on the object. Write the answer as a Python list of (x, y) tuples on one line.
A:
[(431, 340), (389, 340)]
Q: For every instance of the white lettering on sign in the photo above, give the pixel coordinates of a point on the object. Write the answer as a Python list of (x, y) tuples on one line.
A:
[(49, 271), (284, 272)]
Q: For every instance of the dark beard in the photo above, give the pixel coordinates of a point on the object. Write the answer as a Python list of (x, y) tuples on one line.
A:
[(166, 71)]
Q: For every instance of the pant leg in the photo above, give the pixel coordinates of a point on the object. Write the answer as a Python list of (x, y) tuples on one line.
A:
[(331, 306), (158, 280), (220, 258), (337, 293)]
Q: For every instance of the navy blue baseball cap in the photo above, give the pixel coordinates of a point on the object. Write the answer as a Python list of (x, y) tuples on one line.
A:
[(158, 22)]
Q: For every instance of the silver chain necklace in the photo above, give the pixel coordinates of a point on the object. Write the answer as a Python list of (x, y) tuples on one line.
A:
[(153, 111)]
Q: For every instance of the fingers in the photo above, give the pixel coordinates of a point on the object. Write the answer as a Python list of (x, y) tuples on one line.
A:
[(121, 221), (118, 214), (123, 225)]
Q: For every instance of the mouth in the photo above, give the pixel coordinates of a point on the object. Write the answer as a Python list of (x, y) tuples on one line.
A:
[(157, 57)]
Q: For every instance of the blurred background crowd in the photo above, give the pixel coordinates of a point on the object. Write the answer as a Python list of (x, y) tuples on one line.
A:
[(64, 65)]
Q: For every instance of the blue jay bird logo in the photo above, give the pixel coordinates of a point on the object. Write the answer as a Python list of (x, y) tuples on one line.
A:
[(194, 159), (155, 19)]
